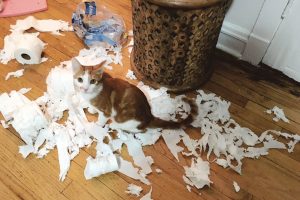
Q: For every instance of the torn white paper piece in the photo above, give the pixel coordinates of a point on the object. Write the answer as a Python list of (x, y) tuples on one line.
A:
[(4, 124), (211, 107), (147, 196), (149, 137), (28, 126), (136, 152), (131, 42), (238, 167), (252, 152), (172, 138), (134, 190), (130, 33), (222, 162), (159, 171), (15, 74), (236, 186), (62, 139), (100, 165), (273, 144), (24, 90), (279, 114), (190, 144), (45, 25), (150, 160), (96, 55), (291, 145), (25, 150), (90, 60), (189, 188), (197, 174), (127, 169), (60, 86), (130, 75), (163, 106), (130, 46)]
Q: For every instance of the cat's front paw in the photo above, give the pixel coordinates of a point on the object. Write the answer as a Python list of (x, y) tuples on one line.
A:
[(92, 110), (102, 121)]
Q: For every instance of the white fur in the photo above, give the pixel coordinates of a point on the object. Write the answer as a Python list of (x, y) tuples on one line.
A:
[(88, 91), (101, 118), (130, 126)]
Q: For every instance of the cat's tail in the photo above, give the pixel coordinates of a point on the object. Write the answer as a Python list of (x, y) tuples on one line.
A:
[(160, 123)]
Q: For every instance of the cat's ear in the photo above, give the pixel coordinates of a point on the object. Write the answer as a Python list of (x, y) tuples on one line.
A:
[(75, 65), (99, 71)]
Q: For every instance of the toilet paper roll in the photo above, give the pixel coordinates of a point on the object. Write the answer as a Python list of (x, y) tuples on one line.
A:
[(29, 50)]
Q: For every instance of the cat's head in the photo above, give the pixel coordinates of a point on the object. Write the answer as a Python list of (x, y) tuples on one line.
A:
[(87, 79)]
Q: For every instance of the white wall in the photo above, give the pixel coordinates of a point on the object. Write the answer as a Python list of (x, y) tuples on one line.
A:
[(284, 52), (249, 28), (238, 25)]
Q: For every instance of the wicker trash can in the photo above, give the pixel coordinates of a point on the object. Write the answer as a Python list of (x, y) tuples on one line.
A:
[(174, 41)]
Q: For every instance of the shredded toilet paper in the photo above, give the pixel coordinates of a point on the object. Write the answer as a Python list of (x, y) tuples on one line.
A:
[(134, 190), (279, 114), (15, 74), (197, 174), (147, 196), (236, 186), (221, 135), (18, 35), (130, 75)]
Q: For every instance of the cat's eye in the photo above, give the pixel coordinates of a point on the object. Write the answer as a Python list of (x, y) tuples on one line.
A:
[(80, 80), (93, 81)]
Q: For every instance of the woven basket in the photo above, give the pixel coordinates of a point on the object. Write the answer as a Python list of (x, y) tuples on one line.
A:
[(175, 40)]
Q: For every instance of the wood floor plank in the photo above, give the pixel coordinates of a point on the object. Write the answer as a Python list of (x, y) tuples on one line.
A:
[(75, 191), (76, 173), (226, 94), (261, 111), (110, 180), (175, 169), (264, 179), (6, 192), (253, 118), (259, 75), (32, 173), (243, 82)]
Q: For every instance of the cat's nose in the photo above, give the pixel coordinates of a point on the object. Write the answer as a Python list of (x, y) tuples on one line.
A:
[(84, 89)]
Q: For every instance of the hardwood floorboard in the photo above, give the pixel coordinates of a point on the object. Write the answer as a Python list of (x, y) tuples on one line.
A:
[(36, 175)]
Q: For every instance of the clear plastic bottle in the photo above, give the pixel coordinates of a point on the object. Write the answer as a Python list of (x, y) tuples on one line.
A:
[(96, 25)]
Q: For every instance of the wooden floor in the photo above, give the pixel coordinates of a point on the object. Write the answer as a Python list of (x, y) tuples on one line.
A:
[(276, 176)]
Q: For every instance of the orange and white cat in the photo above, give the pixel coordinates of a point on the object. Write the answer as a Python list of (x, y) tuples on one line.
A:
[(121, 102)]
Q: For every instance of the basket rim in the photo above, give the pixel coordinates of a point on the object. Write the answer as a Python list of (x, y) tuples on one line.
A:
[(186, 4)]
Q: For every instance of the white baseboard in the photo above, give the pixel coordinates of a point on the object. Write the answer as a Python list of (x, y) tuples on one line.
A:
[(255, 49), (235, 31), (264, 30), (233, 39), (292, 74)]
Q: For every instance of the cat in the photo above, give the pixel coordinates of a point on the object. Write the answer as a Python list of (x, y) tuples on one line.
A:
[(123, 103)]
